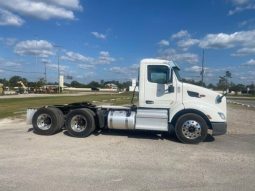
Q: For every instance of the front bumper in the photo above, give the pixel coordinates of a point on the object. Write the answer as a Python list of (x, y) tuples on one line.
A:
[(219, 128)]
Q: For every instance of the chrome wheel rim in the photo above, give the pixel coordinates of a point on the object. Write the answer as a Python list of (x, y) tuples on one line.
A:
[(78, 123), (191, 129), (44, 121)]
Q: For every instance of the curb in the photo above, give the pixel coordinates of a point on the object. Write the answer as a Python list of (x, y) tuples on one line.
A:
[(242, 104)]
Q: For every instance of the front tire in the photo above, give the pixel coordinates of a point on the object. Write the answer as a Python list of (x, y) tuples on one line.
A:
[(80, 122), (191, 128)]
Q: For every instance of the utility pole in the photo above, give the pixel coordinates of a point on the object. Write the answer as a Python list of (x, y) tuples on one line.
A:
[(58, 47), (58, 75), (45, 72), (202, 69), (36, 50)]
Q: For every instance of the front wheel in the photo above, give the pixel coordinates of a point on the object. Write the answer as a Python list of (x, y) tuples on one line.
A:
[(191, 128)]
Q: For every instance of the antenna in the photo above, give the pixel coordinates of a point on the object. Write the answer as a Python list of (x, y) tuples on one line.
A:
[(202, 69)]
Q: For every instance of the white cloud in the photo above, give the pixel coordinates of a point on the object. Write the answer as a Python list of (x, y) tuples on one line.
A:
[(41, 48), (240, 9), (171, 54), (71, 4), (249, 23), (251, 62), (89, 74), (9, 64), (241, 5), (86, 62), (244, 51), (180, 34), (76, 57), (47, 9), (240, 2), (163, 43), (8, 41), (128, 72), (86, 66), (186, 43), (223, 40), (12, 64), (118, 69), (98, 35), (8, 18), (62, 68), (198, 69), (193, 69), (184, 40), (105, 58)]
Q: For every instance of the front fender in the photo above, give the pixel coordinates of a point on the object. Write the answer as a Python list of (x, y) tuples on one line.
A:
[(211, 111)]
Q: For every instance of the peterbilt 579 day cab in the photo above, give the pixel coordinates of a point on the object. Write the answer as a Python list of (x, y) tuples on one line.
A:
[(165, 104)]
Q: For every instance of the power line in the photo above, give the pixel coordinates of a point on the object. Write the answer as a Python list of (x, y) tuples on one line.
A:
[(19, 71)]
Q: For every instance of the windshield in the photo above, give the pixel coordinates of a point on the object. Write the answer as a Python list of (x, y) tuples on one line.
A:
[(176, 71)]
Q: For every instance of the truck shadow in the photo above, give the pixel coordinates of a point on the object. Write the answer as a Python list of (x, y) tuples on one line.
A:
[(140, 134), (136, 134)]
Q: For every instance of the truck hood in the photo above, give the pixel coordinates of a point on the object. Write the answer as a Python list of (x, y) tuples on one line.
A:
[(203, 98), (200, 90)]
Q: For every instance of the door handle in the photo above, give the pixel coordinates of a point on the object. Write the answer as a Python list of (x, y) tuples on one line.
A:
[(149, 102)]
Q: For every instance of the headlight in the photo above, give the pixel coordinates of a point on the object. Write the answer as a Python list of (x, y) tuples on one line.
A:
[(222, 116)]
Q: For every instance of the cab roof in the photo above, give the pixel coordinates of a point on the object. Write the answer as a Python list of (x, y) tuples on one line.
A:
[(155, 61)]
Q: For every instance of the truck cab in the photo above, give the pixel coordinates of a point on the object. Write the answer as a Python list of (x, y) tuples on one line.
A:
[(165, 104), (187, 105)]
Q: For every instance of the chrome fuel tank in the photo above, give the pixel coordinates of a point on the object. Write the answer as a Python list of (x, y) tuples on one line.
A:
[(123, 119)]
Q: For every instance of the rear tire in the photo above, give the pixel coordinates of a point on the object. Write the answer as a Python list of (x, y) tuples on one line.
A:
[(191, 128), (47, 121), (61, 118), (80, 122)]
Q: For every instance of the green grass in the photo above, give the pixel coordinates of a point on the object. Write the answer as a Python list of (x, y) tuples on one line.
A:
[(14, 107)]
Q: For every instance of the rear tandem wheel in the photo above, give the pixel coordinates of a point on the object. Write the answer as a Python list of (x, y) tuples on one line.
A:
[(47, 121), (80, 122)]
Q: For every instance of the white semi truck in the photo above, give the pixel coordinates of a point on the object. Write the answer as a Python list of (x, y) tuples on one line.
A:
[(165, 104)]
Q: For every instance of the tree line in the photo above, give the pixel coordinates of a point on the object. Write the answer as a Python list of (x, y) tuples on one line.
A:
[(224, 83), (13, 82)]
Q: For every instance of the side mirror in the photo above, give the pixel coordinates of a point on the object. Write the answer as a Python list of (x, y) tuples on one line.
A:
[(219, 98), (170, 88)]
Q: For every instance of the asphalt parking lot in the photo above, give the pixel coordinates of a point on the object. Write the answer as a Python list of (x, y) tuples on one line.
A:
[(121, 160)]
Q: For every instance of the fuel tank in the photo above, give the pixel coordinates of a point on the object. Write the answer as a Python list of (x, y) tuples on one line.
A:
[(123, 119)]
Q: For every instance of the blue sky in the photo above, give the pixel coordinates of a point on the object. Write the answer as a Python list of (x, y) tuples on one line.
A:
[(105, 40)]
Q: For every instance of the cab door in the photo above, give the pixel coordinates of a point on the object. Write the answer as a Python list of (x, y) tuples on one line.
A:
[(159, 89)]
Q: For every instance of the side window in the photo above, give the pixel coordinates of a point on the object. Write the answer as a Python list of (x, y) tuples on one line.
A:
[(158, 74)]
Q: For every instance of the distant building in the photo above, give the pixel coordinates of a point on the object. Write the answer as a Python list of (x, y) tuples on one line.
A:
[(111, 86)]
